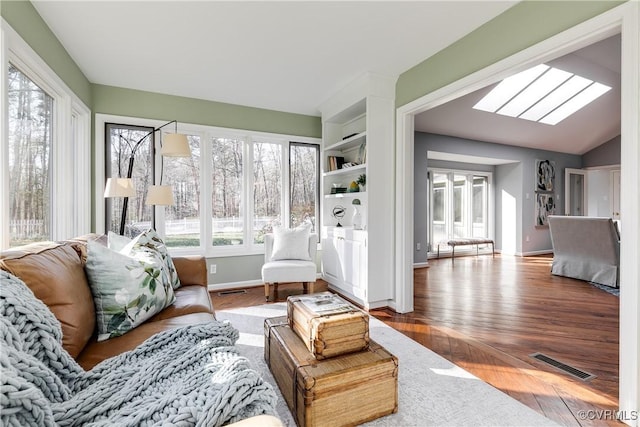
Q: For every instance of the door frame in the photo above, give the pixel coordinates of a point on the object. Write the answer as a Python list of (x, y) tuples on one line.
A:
[(624, 19), (567, 190)]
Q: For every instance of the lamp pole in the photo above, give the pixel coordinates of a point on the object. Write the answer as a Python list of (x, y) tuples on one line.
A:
[(125, 203)]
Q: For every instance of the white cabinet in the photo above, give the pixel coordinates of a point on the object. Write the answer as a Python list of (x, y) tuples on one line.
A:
[(358, 139), (344, 260)]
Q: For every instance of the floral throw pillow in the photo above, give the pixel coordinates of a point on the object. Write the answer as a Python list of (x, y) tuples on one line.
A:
[(128, 286), (150, 240)]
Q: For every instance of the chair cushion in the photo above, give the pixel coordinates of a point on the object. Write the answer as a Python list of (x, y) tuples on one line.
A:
[(287, 271), (291, 243), (54, 273)]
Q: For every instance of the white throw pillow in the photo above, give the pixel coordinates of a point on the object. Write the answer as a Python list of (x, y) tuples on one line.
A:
[(291, 243)]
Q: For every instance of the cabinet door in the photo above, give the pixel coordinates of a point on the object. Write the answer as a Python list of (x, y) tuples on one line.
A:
[(330, 264), (350, 254)]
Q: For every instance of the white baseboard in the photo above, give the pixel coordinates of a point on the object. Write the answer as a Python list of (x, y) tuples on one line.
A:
[(235, 285), (420, 264), (533, 253), (244, 284)]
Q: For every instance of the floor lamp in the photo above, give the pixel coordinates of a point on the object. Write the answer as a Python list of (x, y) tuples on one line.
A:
[(174, 145)]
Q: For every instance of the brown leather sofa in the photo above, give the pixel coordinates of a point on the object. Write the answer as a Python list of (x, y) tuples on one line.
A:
[(54, 271)]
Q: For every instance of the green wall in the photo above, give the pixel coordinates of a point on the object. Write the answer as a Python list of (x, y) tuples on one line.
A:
[(136, 103), (518, 28), (23, 18)]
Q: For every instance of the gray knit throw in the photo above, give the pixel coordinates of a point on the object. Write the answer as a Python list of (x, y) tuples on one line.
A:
[(183, 377)]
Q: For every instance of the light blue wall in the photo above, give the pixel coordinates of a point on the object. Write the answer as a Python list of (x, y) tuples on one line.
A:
[(607, 154), (515, 180)]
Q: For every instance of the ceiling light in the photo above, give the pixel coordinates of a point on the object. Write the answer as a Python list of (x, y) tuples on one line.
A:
[(542, 93)]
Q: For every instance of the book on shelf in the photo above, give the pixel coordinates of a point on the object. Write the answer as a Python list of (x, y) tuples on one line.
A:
[(335, 162)]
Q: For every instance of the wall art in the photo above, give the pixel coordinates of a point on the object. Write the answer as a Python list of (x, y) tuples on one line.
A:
[(545, 175), (545, 206)]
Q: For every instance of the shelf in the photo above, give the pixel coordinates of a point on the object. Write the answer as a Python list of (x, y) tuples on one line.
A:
[(351, 142), (346, 171), (356, 194)]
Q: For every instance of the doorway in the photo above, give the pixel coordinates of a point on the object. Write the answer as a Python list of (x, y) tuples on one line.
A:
[(624, 19), (575, 192)]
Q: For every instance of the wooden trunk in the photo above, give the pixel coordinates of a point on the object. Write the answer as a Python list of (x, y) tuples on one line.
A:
[(339, 328), (342, 391)]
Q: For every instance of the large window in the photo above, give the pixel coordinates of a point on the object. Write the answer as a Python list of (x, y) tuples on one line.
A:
[(235, 187), (44, 150), (459, 203), (30, 123), (267, 188), (303, 184), (182, 220), (122, 139), (227, 192)]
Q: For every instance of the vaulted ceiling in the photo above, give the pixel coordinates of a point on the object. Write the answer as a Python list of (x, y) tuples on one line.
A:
[(588, 128)]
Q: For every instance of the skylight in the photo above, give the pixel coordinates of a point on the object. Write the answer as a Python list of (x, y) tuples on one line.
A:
[(541, 94)]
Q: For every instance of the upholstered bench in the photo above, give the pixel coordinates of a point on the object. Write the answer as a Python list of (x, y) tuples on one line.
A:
[(466, 241)]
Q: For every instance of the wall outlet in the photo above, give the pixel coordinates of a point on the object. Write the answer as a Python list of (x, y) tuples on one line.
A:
[(213, 269), (526, 239), (418, 246)]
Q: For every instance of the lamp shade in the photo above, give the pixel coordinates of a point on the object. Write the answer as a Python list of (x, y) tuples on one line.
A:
[(119, 187), (160, 195), (175, 145)]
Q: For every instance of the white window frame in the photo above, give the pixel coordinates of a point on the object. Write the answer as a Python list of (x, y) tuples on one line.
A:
[(70, 144), (206, 133), (468, 208)]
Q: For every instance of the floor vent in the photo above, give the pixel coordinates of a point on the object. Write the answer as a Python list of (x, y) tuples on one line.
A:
[(232, 291), (575, 372)]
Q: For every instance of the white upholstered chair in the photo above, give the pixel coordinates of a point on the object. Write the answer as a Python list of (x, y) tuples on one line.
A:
[(279, 271)]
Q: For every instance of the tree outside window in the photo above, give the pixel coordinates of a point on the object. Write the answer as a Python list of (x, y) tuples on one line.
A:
[(30, 129), (121, 140), (182, 219), (226, 197), (303, 183)]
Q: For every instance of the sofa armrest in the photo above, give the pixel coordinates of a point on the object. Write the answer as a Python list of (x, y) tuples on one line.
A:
[(192, 270)]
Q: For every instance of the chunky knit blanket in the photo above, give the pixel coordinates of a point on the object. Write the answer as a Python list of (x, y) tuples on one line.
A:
[(183, 377)]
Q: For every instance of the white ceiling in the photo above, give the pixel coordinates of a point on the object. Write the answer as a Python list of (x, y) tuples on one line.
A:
[(595, 124), (286, 56)]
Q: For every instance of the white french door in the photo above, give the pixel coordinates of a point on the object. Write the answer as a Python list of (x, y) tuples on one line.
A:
[(459, 205)]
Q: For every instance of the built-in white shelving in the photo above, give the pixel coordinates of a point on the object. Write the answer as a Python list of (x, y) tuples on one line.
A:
[(357, 130)]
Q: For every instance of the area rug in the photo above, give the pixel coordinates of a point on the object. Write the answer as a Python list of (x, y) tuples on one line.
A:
[(431, 390), (609, 289)]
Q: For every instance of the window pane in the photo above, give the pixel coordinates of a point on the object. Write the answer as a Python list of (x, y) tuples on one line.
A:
[(479, 207), (226, 177), (439, 225), (30, 127), (267, 188), (182, 220), (122, 140), (303, 179)]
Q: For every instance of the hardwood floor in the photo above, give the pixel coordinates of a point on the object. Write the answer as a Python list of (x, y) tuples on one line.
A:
[(488, 315)]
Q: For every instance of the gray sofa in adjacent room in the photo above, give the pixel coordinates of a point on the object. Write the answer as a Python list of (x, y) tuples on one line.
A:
[(586, 248)]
